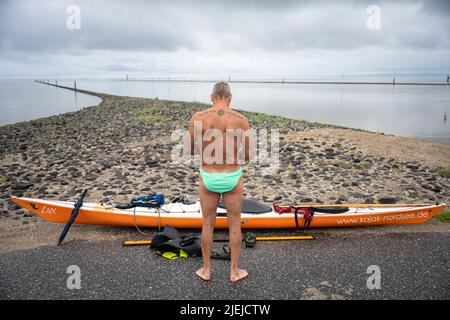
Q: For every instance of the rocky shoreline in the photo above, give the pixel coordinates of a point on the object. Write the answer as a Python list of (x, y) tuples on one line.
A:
[(122, 148)]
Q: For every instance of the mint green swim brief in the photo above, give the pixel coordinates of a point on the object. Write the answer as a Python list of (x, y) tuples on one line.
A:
[(220, 182)]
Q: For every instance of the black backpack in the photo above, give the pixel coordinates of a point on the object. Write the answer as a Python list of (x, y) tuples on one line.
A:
[(170, 240)]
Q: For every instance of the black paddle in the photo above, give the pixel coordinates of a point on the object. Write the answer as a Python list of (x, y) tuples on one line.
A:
[(75, 210)]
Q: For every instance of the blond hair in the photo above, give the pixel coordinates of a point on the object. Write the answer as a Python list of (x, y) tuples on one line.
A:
[(221, 90)]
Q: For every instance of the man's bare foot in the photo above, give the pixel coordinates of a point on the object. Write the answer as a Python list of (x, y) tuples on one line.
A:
[(239, 275), (204, 273)]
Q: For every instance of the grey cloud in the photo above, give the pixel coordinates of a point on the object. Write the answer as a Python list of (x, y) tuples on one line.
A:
[(34, 32), (439, 7), (168, 26)]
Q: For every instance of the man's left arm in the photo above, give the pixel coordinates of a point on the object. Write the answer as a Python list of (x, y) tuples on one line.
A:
[(249, 142)]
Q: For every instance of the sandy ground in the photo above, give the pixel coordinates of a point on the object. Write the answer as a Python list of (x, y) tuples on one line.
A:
[(380, 145)]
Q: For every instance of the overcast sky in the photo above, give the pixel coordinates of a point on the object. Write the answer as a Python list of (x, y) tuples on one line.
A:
[(218, 39)]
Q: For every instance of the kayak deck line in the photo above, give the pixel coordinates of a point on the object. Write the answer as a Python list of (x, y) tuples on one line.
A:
[(189, 215), (166, 208), (360, 205), (353, 205), (99, 208)]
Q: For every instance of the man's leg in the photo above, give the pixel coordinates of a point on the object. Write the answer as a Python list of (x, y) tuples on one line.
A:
[(233, 203), (209, 202)]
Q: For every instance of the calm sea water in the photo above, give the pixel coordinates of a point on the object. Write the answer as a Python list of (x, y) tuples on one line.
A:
[(27, 100), (411, 111)]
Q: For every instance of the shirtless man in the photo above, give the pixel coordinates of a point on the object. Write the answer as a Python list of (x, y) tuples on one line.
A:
[(220, 136)]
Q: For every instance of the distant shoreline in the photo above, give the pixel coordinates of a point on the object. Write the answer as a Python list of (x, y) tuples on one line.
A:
[(55, 83), (280, 81), (431, 139)]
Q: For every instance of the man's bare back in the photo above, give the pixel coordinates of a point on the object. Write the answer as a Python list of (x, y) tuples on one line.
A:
[(233, 128), (220, 136)]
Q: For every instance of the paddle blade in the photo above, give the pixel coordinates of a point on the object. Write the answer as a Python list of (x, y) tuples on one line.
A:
[(67, 227), (74, 214)]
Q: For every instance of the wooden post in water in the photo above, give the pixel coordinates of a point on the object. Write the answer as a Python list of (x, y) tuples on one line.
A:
[(75, 85), (56, 82)]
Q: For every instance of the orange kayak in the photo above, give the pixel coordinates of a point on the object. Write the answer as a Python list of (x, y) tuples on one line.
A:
[(189, 215)]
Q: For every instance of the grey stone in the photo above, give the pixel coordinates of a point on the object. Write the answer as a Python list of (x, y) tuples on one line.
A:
[(90, 177), (388, 200), (105, 164), (369, 200), (21, 185)]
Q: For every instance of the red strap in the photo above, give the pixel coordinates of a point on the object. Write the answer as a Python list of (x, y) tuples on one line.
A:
[(279, 209), (307, 213)]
